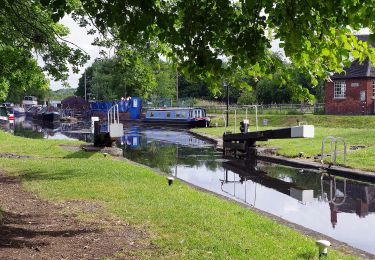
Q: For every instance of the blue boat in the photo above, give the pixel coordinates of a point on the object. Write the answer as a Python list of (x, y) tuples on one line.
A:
[(189, 117)]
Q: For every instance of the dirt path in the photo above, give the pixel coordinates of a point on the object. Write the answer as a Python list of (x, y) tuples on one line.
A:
[(35, 229)]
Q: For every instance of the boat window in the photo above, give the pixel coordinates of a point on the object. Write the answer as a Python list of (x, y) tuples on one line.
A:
[(183, 114), (152, 114), (168, 114), (178, 114)]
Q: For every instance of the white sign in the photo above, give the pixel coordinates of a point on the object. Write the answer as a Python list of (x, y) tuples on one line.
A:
[(93, 119), (355, 84)]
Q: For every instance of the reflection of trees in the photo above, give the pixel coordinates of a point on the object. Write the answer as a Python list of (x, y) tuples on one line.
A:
[(28, 133), (164, 156), (306, 179), (156, 155), (192, 157)]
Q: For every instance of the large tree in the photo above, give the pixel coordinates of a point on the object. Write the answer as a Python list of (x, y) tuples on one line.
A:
[(315, 34), (30, 29), (20, 75)]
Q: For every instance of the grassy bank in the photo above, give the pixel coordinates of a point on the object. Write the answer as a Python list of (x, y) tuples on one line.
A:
[(356, 130), (331, 121), (181, 221)]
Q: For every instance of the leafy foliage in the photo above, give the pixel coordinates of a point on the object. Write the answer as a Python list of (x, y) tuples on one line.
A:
[(112, 78), (20, 75), (316, 35), (28, 29)]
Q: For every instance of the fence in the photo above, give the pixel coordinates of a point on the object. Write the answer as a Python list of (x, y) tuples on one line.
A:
[(285, 109)]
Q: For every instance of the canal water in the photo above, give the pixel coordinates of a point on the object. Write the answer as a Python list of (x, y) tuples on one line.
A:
[(337, 207)]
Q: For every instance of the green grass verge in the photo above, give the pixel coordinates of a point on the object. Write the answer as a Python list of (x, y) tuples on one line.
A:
[(331, 121), (182, 222), (353, 129)]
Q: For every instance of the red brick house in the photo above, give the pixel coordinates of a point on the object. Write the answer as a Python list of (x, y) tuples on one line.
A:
[(353, 92)]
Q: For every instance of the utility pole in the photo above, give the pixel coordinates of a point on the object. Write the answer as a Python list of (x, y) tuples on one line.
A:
[(227, 86), (85, 86), (176, 87)]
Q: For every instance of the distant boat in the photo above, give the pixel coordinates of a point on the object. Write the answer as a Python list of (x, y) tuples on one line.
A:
[(47, 115), (3, 114), (29, 101), (32, 111), (18, 111), (190, 117)]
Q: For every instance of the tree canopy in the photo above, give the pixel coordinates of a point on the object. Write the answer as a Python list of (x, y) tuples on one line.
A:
[(28, 32), (199, 34), (212, 39)]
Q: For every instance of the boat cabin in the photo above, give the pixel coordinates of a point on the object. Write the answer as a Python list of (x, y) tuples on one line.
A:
[(185, 116), (29, 101)]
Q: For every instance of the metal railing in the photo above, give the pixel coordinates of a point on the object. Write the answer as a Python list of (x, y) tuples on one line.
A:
[(333, 150), (113, 116), (263, 108)]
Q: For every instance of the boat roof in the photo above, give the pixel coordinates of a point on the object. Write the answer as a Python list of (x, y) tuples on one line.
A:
[(174, 108)]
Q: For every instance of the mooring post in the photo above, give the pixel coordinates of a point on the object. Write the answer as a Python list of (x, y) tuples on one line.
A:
[(96, 134)]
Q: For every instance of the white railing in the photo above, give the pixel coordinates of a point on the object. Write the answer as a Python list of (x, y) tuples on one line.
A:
[(113, 116)]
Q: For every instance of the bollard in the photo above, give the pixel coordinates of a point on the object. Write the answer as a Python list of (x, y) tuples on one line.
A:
[(323, 247), (244, 126), (170, 180)]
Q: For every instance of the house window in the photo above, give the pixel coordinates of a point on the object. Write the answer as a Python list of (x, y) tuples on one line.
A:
[(373, 89), (339, 89)]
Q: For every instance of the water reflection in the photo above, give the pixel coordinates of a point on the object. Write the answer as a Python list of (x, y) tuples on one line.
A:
[(338, 207), (28, 128)]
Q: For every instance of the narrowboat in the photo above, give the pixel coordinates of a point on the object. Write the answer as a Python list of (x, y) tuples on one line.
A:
[(3, 114), (47, 114), (19, 111), (189, 117), (29, 101)]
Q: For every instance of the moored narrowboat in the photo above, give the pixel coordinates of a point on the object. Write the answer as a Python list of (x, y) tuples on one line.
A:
[(190, 117), (3, 114)]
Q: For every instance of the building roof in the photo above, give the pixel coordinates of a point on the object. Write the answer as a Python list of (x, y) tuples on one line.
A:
[(358, 70)]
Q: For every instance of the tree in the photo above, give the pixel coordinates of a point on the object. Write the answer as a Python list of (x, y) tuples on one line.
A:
[(166, 75), (28, 27), (20, 75), (128, 73), (315, 34)]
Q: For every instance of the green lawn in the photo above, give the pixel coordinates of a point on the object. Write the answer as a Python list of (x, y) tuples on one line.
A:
[(356, 130), (182, 222)]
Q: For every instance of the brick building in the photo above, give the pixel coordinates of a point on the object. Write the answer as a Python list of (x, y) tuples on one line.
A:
[(353, 92)]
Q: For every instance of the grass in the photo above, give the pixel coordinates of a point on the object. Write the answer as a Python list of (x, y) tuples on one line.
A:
[(331, 121), (182, 222), (356, 131)]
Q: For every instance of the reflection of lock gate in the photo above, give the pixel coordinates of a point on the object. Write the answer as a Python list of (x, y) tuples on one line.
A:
[(246, 173)]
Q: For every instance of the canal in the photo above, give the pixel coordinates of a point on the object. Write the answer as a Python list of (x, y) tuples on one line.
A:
[(337, 207)]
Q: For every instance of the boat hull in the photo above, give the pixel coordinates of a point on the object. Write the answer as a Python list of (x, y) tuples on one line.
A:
[(48, 117)]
